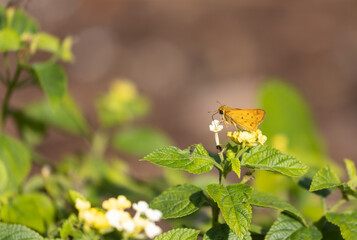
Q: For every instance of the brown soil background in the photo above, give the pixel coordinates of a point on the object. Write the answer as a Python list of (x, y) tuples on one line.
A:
[(186, 54)]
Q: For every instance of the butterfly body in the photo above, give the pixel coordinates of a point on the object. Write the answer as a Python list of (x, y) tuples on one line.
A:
[(247, 119)]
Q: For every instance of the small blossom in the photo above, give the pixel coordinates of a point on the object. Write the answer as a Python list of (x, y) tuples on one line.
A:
[(46, 171), (215, 126), (110, 203), (129, 226), (246, 137), (141, 206), (82, 204), (114, 216), (152, 230), (123, 202), (153, 215)]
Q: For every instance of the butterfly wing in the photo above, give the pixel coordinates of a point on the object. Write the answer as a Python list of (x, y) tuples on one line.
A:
[(248, 119)]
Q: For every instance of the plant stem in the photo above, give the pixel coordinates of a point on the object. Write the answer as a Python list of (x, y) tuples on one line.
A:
[(10, 88), (215, 215), (337, 205), (7, 66), (324, 207)]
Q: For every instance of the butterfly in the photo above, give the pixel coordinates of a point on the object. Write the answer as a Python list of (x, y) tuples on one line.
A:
[(247, 119)]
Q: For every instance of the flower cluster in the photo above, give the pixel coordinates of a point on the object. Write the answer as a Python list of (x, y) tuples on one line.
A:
[(142, 225), (247, 138)]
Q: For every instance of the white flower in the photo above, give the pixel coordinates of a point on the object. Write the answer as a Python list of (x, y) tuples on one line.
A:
[(152, 230), (153, 215), (245, 136), (215, 126), (141, 206), (129, 226), (114, 216)]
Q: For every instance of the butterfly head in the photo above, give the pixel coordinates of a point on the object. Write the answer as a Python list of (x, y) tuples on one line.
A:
[(222, 109)]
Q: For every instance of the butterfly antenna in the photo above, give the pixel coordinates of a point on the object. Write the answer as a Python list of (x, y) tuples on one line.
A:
[(219, 103)]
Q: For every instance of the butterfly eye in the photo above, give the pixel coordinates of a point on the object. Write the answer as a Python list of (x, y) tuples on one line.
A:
[(220, 111)]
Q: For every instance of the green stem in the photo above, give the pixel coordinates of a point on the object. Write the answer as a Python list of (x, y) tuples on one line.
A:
[(10, 89), (219, 166), (323, 203), (215, 215), (7, 66), (337, 205)]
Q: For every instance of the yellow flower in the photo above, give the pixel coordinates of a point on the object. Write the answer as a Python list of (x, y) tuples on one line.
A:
[(123, 90), (82, 204), (123, 202), (247, 138), (111, 203), (96, 219)]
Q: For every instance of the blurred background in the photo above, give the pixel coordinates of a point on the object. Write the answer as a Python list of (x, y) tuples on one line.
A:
[(185, 55)]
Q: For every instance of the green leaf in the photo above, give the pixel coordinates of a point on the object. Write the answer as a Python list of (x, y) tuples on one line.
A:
[(65, 115), (288, 228), (352, 175), (16, 159), (3, 177), (324, 178), (267, 158), (66, 50), (347, 222), (194, 159), (179, 201), (179, 234), (17, 232), (235, 165), (289, 115), (9, 40), (23, 23), (45, 42), (52, 79), (268, 200), (139, 140), (351, 169), (233, 202), (223, 232), (34, 210)]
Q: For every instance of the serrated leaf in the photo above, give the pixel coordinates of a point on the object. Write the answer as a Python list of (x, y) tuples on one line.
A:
[(53, 80), (288, 228), (223, 232), (17, 232), (139, 140), (65, 115), (179, 201), (16, 159), (233, 202), (236, 166), (34, 210), (324, 178), (347, 222), (179, 234), (267, 158), (194, 159), (9, 40), (268, 200), (352, 175), (351, 168)]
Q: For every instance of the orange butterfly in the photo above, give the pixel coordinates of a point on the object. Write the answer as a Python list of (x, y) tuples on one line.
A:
[(247, 119)]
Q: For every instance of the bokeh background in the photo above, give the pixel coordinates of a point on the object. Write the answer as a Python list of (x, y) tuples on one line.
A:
[(185, 55)]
